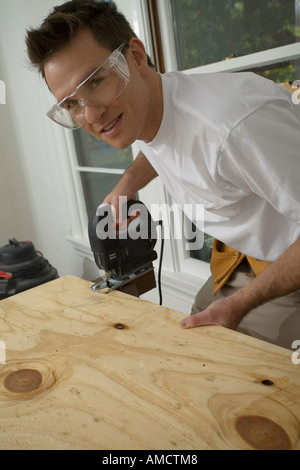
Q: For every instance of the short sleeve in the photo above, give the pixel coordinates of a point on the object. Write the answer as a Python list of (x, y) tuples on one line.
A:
[(262, 155)]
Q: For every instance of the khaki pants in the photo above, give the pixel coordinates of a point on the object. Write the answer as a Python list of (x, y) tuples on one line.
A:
[(277, 321)]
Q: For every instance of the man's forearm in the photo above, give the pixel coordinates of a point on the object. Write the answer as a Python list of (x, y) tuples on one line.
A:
[(141, 172), (138, 175), (280, 278)]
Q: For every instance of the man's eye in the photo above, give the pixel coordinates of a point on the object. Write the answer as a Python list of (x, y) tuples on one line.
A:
[(70, 104), (95, 83)]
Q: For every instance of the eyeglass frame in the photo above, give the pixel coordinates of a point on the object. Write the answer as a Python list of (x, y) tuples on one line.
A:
[(114, 55)]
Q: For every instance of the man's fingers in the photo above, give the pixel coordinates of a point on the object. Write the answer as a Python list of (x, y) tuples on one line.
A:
[(224, 312), (199, 319), (116, 205)]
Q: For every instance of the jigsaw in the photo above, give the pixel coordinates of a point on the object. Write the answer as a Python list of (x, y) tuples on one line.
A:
[(123, 254)]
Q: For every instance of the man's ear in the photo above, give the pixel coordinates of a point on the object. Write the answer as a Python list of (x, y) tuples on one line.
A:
[(138, 54)]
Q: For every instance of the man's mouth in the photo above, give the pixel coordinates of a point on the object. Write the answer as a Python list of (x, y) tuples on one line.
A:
[(112, 127)]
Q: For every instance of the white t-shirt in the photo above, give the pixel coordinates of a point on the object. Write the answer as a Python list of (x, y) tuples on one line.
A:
[(231, 141)]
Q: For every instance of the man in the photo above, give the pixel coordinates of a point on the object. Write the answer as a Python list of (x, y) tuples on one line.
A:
[(228, 141)]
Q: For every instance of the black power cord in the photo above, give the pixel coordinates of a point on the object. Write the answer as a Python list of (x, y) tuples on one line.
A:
[(160, 222)]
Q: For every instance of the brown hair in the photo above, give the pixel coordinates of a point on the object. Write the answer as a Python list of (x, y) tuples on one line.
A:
[(108, 26)]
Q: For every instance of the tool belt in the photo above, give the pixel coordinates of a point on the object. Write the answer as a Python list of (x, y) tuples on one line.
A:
[(224, 261)]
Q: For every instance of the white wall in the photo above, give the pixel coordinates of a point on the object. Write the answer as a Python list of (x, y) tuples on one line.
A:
[(11, 177), (33, 203), (35, 198)]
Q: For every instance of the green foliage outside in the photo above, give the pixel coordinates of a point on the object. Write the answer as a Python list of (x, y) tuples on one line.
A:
[(208, 31)]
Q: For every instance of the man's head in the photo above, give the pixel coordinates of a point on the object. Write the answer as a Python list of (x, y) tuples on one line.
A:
[(108, 26), (99, 72)]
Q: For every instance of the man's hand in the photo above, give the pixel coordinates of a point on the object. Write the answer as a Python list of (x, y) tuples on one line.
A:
[(221, 312), (138, 175), (280, 278), (117, 202)]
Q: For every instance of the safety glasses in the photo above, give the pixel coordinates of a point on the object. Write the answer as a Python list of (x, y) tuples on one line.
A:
[(101, 88)]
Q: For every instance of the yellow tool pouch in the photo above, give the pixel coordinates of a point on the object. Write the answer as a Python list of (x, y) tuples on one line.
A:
[(224, 261)]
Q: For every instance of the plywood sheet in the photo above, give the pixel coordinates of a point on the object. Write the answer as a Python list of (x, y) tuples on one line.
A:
[(91, 371)]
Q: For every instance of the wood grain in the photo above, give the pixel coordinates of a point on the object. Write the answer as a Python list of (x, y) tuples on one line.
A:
[(91, 371)]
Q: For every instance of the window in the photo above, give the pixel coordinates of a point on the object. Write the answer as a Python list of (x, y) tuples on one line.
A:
[(229, 28), (100, 167)]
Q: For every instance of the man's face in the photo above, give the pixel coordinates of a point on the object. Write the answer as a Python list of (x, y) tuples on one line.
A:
[(129, 117)]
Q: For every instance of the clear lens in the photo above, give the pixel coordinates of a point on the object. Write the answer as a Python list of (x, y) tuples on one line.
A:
[(101, 88), (63, 117)]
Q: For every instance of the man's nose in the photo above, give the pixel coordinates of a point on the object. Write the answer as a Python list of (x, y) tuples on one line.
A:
[(92, 112)]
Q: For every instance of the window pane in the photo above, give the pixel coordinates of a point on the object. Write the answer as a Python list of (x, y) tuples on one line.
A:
[(95, 187), (287, 71), (93, 152), (203, 254), (208, 31)]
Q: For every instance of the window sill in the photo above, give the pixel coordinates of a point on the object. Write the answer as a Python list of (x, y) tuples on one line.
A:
[(81, 247)]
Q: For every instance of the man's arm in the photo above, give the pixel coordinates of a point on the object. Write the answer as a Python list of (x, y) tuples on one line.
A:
[(138, 175), (280, 278)]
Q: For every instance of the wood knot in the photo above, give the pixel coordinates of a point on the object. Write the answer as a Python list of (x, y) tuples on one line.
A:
[(267, 382), (23, 381), (262, 433), (119, 326)]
